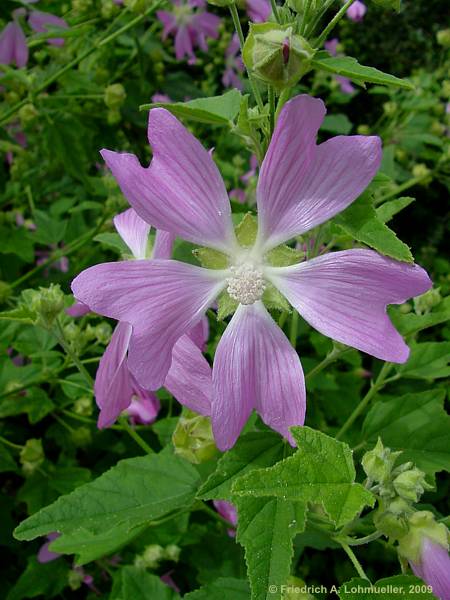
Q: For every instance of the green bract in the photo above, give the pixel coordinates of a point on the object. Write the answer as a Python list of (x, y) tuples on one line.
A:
[(275, 54)]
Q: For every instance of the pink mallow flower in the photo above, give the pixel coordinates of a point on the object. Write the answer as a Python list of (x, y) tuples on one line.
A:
[(233, 64), (191, 24), (45, 555), (228, 512), (13, 43), (258, 11), (44, 22), (301, 185), (116, 388), (433, 567), (345, 84), (356, 11)]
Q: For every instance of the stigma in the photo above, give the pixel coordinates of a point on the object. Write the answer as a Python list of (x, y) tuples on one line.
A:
[(246, 284)]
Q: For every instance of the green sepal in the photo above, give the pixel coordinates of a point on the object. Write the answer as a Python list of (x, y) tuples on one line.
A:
[(211, 259), (273, 300), (226, 305), (247, 230), (284, 256)]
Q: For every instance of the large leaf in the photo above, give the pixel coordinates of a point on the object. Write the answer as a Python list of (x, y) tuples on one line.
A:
[(46, 580), (389, 209), (411, 323), (133, 583), (273, 503), (417, 424), (16, 241), (253, 450), (429, 360), (349, 67), (222, 588), (216, 110), (134, 492), (401, 586), (360, 220)]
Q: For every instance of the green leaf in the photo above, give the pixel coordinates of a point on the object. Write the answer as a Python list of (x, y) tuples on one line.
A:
[(35, 403), (222, 588), (417, 424), (410, 323), (47, 579), (386, 211), (7, 462), (48, 231), (338, 124), (21, 314), (360, 220), (349, 67), (216, 110), (16, 241), (273, 503), (400, 586), (134, 492), (252, 450), (112, 241), (429, 360), (136, 584)]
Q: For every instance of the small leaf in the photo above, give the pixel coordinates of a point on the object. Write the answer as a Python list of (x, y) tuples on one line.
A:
[(40, 579), (410, 323), (16, 241), (386, 211), (112, 241), (349, 67), (360, 221), (216, 110), (337, 123), (429, 360), (416, 424), (7, 462), (133, 583)]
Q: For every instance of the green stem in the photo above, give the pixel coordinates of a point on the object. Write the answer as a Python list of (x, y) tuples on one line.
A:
[(78, 59), (10, 444), (237, 25), (136, 437), (401, 188), (364, 540), (293, 329), (334, 355), (374, 388), (304, 22), (354, 560), (332, 24), (284, 97), (271, 98), (68, 350)]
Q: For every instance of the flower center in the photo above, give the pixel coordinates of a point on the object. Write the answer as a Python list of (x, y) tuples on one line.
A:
[(183, 14), (246, 284)]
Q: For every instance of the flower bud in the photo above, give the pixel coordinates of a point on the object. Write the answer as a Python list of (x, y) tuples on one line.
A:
[(81, 437), (150, 558), (411, 484), (421, 171), (426, 302), (363, 130), (47, 303), (27, 114), (443, 38), (276, 55), (103, 333), (137, 6), (193, 438), (421, 524), (378, 463), (393, 522), (172, 552), (390, 108), (113, 117), (115, 95), (83, 406), (31, 456)]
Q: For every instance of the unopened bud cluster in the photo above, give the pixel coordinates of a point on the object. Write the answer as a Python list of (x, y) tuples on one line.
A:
[(44, 304), (193, 438), (154, 554)]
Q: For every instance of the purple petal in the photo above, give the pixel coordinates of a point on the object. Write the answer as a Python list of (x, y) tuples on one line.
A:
[(346, 85), (113, 385), (45, 555), (226, 510), (331, 46), (259, 11), (344, 296), (356, 11), (255, 367), (183, 43), (190, 378), (308, 195), (161, 299), (144, 407), (77, 310), (43, 22), (434, 568), (163, 246), (168, 21), (182, 190), (207, 24), (199, 333), (286, 163), (13, 45), (134, 232)]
